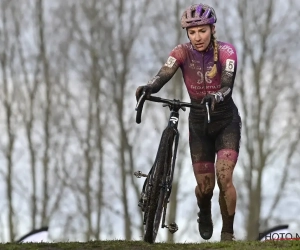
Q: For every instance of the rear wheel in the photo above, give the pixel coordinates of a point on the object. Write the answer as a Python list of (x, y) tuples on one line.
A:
[(157, 191)]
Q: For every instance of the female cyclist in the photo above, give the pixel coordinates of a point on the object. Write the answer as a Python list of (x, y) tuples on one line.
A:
[(208, 67)]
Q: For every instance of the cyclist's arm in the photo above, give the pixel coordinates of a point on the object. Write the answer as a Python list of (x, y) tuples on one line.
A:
[(228, 59), (164, 75), (174, 61)]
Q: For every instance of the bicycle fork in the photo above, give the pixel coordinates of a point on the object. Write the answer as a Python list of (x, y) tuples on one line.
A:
[(173, 228)]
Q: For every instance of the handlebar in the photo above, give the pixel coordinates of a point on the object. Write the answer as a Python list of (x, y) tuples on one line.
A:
[(176, 104)]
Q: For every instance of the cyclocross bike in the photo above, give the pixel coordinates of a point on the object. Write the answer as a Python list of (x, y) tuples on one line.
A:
[(158, 184)]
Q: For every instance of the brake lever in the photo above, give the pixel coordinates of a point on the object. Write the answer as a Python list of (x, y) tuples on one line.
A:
[(207, 109), (141, 98)]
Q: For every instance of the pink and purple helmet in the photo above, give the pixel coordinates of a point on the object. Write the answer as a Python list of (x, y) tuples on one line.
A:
[(198, 14)]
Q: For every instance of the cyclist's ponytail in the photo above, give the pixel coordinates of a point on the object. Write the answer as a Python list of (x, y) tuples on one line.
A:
[(214, 69)]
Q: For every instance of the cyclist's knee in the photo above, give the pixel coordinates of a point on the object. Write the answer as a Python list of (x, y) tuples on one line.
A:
[(226, 160), (203, 195), (205, 177), (205, 185)]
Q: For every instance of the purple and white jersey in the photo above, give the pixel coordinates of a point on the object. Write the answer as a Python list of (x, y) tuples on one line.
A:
[(196, 65)]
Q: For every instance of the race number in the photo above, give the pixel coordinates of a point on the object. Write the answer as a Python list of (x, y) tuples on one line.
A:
[(170, 62), (230, 65)]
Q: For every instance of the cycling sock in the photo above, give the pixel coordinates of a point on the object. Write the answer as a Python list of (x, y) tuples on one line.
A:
[(227, 219), (204, 202), (228, 224)]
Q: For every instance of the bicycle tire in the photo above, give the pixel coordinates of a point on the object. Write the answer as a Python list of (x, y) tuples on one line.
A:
[(157, 193)]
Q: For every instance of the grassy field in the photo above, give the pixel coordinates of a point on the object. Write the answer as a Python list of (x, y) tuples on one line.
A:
[(138, 245)]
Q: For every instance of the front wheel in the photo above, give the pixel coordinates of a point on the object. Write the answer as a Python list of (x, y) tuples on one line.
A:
[(157, 194)]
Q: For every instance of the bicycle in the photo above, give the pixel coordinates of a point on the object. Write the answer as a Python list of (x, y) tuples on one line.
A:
[(158, 184)]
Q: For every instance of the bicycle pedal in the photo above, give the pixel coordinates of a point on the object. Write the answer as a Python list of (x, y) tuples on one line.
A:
[(139, 174)]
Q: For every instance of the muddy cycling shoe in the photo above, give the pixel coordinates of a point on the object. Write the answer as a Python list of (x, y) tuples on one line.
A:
[(205, 224), (227, 236)]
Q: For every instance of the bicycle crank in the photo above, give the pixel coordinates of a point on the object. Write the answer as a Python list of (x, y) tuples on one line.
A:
[(173, 228), (139, 174)]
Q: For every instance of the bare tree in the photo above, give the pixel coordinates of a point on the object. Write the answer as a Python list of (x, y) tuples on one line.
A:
[(125, 23), (44, 84), (8, 95), (20, 96), (48, 102), (27, 111), (84, 29)]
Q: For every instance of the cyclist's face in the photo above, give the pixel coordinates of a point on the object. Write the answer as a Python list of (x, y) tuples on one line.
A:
[(200, 36)]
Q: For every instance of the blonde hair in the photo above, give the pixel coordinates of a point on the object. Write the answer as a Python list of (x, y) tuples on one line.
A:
[(214, 69)]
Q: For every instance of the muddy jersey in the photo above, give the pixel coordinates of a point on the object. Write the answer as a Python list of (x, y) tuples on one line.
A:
[(195, 67)]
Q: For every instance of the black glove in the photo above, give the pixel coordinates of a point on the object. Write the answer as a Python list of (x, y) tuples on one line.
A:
[(212, 99), (141, 89)]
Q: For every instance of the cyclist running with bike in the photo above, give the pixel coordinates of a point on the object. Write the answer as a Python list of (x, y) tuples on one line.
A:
[(209, 68)]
